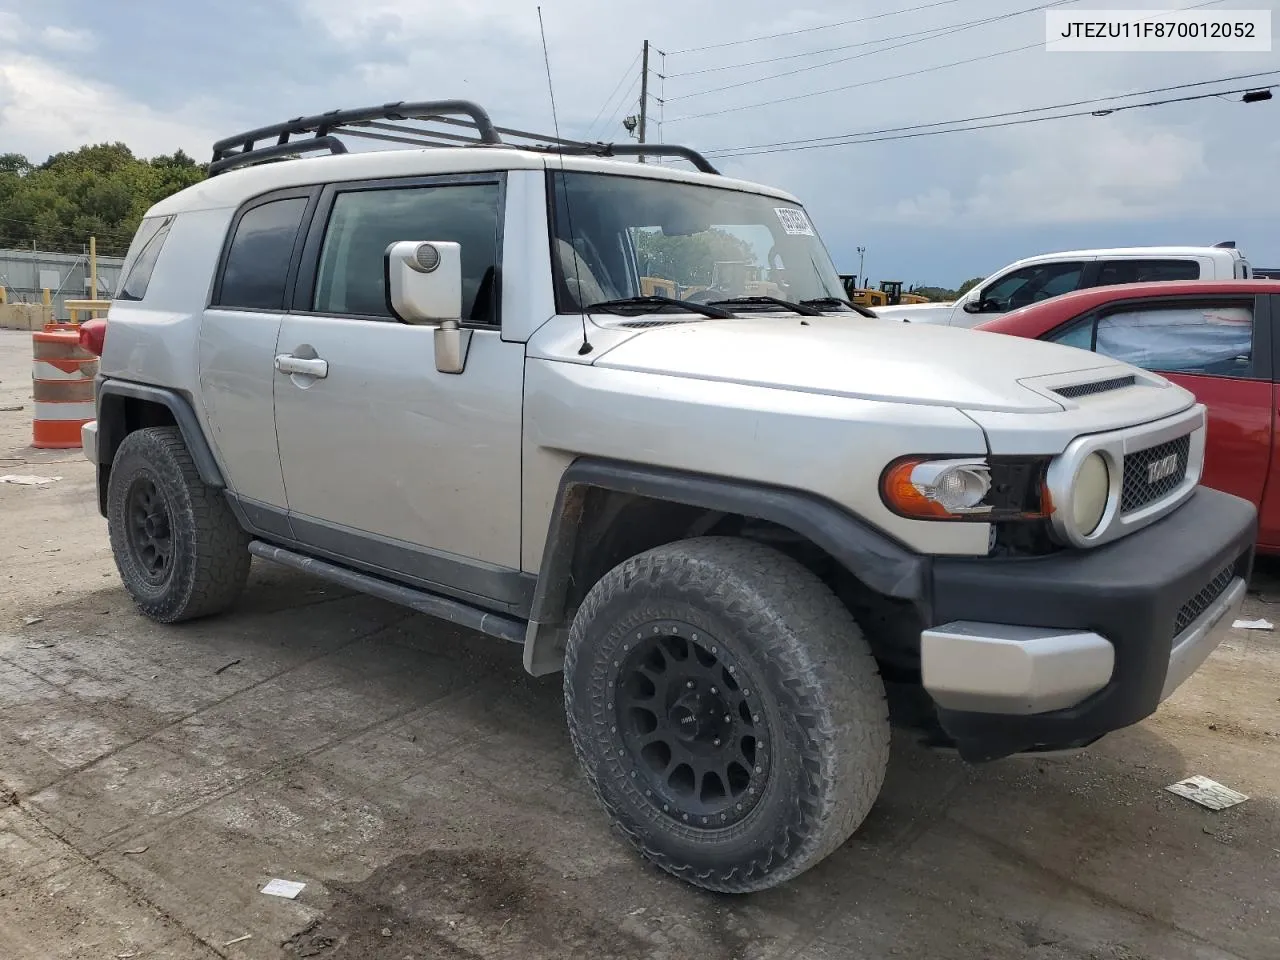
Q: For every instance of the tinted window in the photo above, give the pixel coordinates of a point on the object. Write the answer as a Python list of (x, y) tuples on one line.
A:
[(151, 235), (258, 262), (364, 223), (1032, 284), (1141, 271), (1173, 339)]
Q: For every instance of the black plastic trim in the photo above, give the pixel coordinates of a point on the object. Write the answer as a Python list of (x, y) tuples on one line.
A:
[(1129, 591), (436, 606), (476, 582), (183, 414), (877, 560)]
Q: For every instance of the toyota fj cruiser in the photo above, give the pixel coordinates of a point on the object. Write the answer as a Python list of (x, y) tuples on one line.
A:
[(747, 521)]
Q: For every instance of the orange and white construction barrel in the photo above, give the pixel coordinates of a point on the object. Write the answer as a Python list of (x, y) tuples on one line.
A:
[(62, 386)]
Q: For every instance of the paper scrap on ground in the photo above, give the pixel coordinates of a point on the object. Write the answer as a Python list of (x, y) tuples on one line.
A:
[(1254, 625), (1207, 793), (288, 889), (32, 621), (27, 479)]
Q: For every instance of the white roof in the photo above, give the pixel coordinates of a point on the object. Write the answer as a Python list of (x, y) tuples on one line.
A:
[(1206, 250), (237, 185)]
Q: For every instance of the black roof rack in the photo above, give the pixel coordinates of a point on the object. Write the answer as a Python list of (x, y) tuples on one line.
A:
[(371, 123)]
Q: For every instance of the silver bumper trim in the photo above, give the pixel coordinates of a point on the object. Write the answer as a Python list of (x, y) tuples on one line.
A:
[(997, 668), (89, 440), (1194, 644)]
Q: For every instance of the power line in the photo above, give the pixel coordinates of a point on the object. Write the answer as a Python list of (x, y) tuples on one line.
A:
[(839, 139), (937, 32), (796, 56), (631, 90), (609, 99), (990, 126), (896, 76), (824, 26)]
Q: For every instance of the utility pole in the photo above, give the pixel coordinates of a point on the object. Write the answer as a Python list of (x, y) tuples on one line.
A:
[(862, 255), (93, 268), (644, 94)]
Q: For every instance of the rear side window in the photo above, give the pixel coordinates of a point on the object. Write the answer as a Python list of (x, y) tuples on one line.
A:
[(150, 237), (257, 265), (1216, 340), (1141, 271)]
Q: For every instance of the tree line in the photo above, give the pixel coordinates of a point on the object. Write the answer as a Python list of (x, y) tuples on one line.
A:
[(97, 191)]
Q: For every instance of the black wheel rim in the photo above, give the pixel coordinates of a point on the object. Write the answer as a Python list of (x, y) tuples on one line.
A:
[(690, 726), (150, 530)]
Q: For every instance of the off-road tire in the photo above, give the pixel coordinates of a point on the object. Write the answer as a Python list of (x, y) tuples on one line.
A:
[(811, 675), (209, 550)]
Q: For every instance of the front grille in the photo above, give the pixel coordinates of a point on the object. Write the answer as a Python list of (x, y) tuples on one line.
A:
[(1075, 390), (1140, 488), (1204, 599)]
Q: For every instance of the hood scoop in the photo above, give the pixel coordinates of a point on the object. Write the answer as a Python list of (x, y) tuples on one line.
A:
[(1075, 391), (646, 324)]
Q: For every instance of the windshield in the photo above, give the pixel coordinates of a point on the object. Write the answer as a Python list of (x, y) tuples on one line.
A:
[(635, 237)]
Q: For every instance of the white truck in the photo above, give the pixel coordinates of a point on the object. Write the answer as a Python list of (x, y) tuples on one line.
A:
[(1048, 275)]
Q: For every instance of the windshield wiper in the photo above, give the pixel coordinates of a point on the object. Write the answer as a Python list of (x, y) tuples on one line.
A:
[(820, 302), (799, 308), (654, 304)]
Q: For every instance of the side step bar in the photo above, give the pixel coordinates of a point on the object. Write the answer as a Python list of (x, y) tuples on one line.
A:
[(455, 611)]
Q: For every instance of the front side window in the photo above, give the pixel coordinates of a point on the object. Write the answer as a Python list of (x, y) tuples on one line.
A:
[(257, 264), (144, 253), (1212, 340), (350, 279), (1141, 271), (615, 237), (1030, 285)]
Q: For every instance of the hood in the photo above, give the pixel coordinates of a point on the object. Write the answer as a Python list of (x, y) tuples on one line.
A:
[(916, 312), (866, 359)]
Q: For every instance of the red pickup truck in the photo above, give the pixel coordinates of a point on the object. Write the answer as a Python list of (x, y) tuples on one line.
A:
[(1217, 339)]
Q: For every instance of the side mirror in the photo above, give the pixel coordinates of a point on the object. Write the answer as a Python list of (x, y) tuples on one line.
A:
[(974, 306), (424, 287)]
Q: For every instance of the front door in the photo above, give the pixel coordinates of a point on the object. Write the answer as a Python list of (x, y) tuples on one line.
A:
[(387, 462)]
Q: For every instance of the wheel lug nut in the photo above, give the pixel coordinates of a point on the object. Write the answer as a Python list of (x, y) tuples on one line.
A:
[(689, 684), (727, 718), (715, 742)]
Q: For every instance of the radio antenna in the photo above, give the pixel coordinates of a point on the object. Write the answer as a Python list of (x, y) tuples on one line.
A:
[(568, 212)]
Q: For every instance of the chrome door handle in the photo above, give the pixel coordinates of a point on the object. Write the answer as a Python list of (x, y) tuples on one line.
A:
[(287, 363)]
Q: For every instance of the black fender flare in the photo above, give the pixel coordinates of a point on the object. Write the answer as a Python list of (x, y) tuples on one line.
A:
[(880, 562), (111, 431)]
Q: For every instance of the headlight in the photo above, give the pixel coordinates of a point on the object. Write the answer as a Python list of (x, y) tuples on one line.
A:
[(1089, 494), (984, 489)]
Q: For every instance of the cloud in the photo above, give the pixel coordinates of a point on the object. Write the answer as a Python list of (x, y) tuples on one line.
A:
[(67, 41), (44, 109), (935, 207)]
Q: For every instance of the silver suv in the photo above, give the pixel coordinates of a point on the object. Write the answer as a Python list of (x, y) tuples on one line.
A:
[(620, 414)]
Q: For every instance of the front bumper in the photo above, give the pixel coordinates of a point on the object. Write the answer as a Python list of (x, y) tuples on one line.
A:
[(1053, 652), (89, 440)]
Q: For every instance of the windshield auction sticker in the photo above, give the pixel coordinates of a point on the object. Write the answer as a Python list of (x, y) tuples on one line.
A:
[(794, 221), (1155, 31)]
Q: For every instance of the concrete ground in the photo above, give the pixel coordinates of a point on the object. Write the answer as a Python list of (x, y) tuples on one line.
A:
[(153, 779)]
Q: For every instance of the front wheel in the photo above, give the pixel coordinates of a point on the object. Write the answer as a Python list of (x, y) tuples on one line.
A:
[(726, 710)]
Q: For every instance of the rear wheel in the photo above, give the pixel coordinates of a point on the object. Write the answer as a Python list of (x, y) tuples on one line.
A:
[(727, 711), (179, 549)]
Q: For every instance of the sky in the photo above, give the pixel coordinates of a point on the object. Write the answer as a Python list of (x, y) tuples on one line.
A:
[(163, 74)]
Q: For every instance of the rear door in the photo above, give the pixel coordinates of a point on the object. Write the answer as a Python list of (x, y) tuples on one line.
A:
[(238, 344), (1220, 350)]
